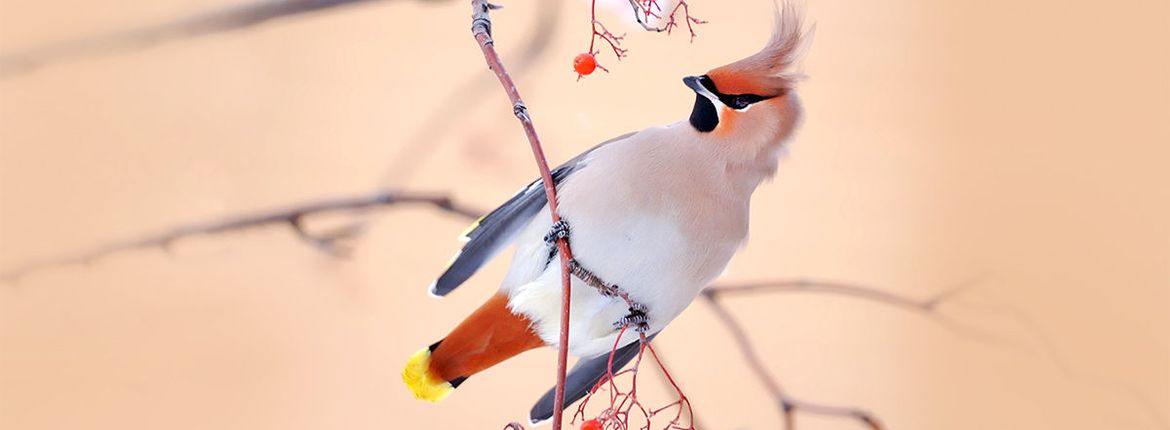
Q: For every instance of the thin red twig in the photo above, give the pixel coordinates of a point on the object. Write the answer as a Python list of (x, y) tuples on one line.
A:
[(599, 31), (690, 20), (481, 28), (624, 404), (644, 12), (682, 398)]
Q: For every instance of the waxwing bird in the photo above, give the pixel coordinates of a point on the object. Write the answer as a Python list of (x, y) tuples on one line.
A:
[(655, 214)]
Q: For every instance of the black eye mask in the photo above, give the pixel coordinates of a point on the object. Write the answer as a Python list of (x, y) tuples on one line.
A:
[(705, 116), (734, 101)]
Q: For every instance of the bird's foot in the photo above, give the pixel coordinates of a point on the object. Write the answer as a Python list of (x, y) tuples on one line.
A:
[(636, 319), (559, 230)]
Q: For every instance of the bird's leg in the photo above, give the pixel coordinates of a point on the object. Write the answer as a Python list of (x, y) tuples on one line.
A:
[(562, 230), (559, 230), (606, 289), (636, 319)]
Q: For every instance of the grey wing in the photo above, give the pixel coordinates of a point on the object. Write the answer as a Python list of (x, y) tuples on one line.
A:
[(496, 230), (585, 374)]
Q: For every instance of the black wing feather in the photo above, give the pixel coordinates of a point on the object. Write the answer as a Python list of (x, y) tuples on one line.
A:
[(496, 230)]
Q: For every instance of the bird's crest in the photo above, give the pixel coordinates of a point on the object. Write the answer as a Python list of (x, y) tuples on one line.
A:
[(768, 72)]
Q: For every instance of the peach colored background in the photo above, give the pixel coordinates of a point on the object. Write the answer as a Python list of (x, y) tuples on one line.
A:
[(1022, 142)]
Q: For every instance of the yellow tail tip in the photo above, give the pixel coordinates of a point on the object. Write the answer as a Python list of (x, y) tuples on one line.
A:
[(417, 377)]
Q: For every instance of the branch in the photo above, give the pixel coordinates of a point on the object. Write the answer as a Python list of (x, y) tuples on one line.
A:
[(788, 404), (927, 305), (1053, 354), (428, 136), (292, 216), (644, 12), (481, 29), (642, 16), (216, 21)]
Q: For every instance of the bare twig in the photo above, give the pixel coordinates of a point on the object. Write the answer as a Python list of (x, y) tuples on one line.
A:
[(216, 21), (292, 216), (643, 18), (670, 384), (1053, 354), (928, 304), (682, 404), (645, 10), (481, 29), (600, 32), (624, 405), (786, 402)]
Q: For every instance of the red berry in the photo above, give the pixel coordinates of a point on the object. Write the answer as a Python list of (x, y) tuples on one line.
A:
[(591, 424), (585, 64)]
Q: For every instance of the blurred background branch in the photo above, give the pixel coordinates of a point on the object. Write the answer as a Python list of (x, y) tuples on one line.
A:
[(786, 402), (330, 243), (237, 17), (292, 216)]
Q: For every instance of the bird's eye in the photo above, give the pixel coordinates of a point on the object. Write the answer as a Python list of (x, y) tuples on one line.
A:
[(742, 101)]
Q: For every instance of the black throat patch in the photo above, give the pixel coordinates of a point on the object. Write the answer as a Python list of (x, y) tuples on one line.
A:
[(704, 117)]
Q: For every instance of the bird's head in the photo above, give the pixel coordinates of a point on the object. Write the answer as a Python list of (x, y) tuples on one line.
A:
[(752, 101)]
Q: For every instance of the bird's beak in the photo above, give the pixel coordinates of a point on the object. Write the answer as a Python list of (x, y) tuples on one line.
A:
[(695, 84)]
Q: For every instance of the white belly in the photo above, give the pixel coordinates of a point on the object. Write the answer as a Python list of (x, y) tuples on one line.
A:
[(662, 249)]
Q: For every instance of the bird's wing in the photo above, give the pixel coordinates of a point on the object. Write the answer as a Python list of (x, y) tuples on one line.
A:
[(583, 377), (491, 233)]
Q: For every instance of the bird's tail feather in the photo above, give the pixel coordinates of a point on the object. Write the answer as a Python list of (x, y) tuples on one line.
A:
[(488, 336), (584, 376)]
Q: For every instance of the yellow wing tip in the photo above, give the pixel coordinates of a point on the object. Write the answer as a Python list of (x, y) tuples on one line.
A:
[(464, 237), (417, 377)]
